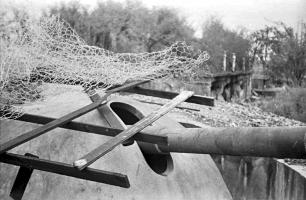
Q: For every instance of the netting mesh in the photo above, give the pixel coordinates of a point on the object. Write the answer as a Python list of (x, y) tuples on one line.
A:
[(50, 51)]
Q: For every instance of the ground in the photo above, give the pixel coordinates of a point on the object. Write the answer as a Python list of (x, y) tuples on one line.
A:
[(224, 114)]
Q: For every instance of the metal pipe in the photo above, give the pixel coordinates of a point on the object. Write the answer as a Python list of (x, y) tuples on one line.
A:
[(279, 142)]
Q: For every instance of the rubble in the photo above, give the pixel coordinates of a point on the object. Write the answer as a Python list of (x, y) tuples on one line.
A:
[(227, 114)]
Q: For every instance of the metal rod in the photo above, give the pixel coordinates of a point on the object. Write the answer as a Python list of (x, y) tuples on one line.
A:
[(130, 131), (90, 174)]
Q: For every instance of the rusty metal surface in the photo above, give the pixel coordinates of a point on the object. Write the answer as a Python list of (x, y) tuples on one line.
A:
[(278, 142)]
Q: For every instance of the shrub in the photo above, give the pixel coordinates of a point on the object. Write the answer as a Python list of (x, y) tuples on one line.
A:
[(290, 103)]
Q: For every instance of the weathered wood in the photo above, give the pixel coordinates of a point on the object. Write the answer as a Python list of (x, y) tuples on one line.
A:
[(21, 181), (107, 115), (90, 174), (197, 99), (127, 86), (130, 131), (62, 120), (160, 104), (97, 129), (49, 126), (189, 125)]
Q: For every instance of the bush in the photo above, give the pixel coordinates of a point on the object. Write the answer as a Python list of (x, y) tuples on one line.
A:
[(291, 104)]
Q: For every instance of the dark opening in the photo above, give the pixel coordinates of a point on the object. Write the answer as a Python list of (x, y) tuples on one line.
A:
[(160, 163)]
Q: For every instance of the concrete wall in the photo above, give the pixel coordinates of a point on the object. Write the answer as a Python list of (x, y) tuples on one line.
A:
[(261, 178), (174, 85), (191, 177), (228, 88)]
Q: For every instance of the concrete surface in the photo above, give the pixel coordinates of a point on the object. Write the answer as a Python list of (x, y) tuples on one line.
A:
[(193, 176)]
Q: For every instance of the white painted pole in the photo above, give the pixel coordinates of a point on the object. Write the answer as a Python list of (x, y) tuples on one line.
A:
[(224, 61), (234, 62)]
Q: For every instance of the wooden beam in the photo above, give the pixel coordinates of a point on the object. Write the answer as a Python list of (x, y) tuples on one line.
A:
[(160, 104), (91, 128), (21, 181), (90, 174), (130, 131), (51, 125), (60, 121), (197, 99), (127, 86)]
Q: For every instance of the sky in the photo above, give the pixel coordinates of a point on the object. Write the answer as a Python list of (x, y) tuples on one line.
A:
[(251, 14)]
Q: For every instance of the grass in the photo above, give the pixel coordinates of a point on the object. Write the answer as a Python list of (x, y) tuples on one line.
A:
[(290, 103)]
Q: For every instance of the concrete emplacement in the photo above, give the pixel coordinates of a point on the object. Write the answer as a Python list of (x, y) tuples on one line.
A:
[(153, 175)]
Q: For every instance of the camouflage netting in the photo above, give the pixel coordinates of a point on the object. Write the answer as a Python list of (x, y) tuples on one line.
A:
[(50, 51)]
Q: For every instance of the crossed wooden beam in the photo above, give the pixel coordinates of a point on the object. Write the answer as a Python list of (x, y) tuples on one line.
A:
[(80, 168)]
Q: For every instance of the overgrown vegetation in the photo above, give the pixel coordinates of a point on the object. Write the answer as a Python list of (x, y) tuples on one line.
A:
[(291, 104), (216, 39), (282, 53), (125, 27), (132, 27)]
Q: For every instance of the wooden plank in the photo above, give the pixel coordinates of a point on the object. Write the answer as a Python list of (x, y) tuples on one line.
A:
[(91, 128), (51, 125), (160, 104), (197, 99), (189, 125), (127, 86), (90, 174), (130, 131), (60, 121), (21, 181)]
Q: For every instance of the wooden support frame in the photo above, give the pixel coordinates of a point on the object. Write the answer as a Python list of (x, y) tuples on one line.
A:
[(62, 120), (197, 99), (28, 163), (90, 174), (127, 86), (49, 126), (21, 180), (91, 128), (92, 156), (160, 104)]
